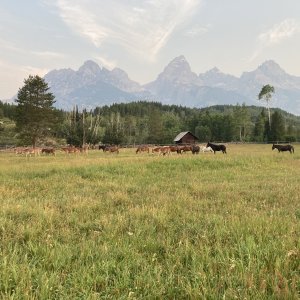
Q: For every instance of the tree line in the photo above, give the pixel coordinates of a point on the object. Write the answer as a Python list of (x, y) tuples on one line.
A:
[(142, 122)]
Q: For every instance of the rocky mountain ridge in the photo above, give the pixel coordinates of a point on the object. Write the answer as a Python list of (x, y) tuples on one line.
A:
[(93, 86)]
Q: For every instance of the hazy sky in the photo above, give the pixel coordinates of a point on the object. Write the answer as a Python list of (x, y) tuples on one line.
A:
[(142, 37)]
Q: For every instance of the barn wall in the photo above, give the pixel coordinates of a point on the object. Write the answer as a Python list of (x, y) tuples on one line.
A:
[(187, 139)]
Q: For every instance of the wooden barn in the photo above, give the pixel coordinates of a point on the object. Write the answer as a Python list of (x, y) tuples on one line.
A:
[(185, 137)]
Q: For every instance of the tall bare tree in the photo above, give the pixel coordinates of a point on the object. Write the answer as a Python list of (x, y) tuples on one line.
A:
[(266, 95)]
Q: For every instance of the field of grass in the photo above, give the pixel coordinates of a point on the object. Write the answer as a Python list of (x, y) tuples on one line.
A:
[(132, 226)]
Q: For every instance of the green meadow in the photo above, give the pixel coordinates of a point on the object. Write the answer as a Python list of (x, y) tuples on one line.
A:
[(127, 226)]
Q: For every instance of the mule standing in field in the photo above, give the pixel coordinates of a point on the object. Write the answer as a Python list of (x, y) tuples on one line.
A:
[(70, 149), (184, 148), (20, 150), (102, 147), (195, 149), (32, 151), (282, 148), (112, 149), (204, 149), (48, 151), (216, 147), (161, 150), (165, 150), (156, 150), (174, 149), (142, 148)]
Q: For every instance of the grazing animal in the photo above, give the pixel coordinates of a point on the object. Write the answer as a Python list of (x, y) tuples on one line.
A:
[(216, 147), (205, 149), (156, 150), (102, 147), (174, 149), (48, 151), (282, 148), (142, 148), (161, 150), (165, 150), (84, 149), (112, 149), (195, 149), (70, 149), (20, 150), (184, 149), (34, 151)]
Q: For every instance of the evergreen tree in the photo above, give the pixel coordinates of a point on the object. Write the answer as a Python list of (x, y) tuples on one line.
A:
[(259, 127), (155, 126), (278, 129), (72, 127), (241, 121), (227, 126), (171, 127), (93, 131), (114, 132), (130, 130), (35, 115), (203, 133), (9, 110), (291, 133), (142, 132)]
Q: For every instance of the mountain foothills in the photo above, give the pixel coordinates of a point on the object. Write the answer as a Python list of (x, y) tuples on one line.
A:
[(91, 86)]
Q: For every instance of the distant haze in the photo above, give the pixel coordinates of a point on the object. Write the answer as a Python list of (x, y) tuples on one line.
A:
[(142, 37)]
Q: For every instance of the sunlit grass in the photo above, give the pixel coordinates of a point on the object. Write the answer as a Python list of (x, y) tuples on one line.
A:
[(141, 226)]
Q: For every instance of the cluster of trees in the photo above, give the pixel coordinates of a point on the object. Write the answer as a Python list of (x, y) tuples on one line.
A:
[(143, 122)]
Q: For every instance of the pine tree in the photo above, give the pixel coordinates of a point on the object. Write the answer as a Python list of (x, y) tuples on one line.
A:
[(155, 126), (114, 133), (278, 129), (259, 127), (35, 115), (241, 120)]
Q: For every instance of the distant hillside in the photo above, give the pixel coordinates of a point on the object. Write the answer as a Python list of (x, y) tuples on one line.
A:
[(253, 110), (142, 108), (153, 122)]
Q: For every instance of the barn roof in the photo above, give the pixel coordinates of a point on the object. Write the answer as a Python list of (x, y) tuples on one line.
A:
[(182, 134)]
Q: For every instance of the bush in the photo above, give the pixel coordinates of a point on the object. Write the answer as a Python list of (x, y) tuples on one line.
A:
[(290, 138)]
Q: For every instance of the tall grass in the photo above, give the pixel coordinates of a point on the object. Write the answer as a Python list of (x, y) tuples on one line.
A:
[(140, 226)]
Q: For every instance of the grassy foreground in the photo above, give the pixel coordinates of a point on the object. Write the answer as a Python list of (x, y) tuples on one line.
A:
[(133, 226)]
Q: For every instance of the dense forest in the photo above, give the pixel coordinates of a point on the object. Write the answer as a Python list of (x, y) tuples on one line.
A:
[(154, 123)]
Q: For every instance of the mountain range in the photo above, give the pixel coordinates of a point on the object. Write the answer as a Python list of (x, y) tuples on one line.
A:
[(92, 85)]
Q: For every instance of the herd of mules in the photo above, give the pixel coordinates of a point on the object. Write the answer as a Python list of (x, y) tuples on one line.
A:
[(37, 151), (160, 150)]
